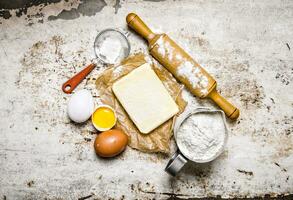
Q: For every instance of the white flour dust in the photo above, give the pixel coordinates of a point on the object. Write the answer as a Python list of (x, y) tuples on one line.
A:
[(186, 69), (110, 49), (194, 75), (201, 136), (165, 48)]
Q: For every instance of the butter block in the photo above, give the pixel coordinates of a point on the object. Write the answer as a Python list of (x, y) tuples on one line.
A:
[(145, 98)]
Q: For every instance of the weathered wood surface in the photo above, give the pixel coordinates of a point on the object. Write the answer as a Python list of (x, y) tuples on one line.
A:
[(246, 45)]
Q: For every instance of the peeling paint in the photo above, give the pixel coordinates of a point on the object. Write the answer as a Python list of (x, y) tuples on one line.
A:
[(20, 6), (117, 6), (155, 0), (85, 8), (5, 14), (6, 4)]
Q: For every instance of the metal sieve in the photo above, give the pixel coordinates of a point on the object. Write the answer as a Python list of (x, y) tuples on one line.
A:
[(101, 59)]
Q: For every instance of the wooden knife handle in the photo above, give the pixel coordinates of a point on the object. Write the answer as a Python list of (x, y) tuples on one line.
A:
[(134, 21), (71, 84), (231, 111)]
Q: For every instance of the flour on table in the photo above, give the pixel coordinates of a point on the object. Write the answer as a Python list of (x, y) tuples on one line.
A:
[(201, 136)]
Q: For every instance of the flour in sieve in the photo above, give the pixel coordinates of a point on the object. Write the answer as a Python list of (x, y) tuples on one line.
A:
[(110, 50), (201, 136)]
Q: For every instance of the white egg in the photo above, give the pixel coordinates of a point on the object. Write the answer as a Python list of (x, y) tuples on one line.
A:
[(80, 106)]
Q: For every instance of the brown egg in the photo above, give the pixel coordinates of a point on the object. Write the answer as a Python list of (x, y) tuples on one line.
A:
[(110, 143)]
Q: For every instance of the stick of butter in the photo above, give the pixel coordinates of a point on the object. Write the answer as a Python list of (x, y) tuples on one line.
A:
[(145, 99)]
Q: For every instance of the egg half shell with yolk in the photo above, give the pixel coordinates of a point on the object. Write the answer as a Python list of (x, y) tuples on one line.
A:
[(104, 118)]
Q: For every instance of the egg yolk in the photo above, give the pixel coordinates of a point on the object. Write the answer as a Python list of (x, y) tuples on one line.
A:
[(104, 117)]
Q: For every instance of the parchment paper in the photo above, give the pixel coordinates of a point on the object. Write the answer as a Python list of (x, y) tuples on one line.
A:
[(159, 139)]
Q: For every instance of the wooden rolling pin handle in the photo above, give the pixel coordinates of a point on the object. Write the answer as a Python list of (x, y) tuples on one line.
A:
[(134, 21), (71, 84), (231, 111)]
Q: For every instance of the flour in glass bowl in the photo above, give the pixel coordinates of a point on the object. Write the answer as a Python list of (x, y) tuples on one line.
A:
[(201, 136), (110, 50)]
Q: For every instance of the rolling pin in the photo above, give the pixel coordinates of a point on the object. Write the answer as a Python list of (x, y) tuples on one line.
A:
[(181, 65)]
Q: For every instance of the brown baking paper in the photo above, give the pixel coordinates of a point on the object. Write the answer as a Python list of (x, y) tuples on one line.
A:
[(159, 139)]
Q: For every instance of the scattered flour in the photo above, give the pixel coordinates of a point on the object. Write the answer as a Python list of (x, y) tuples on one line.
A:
[(201, 136), (117, 71), (157, 30), (178, 57), (165, 48), (148, 59), (193, 74), (186, 69)]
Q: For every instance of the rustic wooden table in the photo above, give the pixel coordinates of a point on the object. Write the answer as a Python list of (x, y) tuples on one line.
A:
[(246, 45)]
